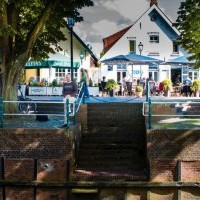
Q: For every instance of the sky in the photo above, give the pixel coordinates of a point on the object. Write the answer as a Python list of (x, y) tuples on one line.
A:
[(107, 17)]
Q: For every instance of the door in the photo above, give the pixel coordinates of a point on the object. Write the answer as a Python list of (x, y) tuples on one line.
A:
[(120, 76)]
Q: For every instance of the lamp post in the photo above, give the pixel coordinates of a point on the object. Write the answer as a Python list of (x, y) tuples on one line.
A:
[(71, 22), (140, 47), (81, 56)]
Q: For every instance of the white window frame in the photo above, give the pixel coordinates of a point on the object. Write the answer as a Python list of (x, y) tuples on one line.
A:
[(154, 37)]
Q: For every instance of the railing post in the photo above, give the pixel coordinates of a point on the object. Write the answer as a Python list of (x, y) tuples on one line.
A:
[(147, 90), (1, 112), (74, 112), (149, 112), (83, 93), (66, 113)]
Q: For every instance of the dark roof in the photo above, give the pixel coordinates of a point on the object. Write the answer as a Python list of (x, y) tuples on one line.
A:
[(112, 39)]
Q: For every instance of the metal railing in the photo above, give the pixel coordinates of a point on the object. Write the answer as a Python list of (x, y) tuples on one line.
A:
[(182, 109), (64, 110)]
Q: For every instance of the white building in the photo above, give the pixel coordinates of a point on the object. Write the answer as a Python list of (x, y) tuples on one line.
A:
[(156, 33)]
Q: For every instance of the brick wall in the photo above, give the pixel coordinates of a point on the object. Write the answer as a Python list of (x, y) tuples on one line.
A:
[(36, 155), (166, 147), (35, 143)]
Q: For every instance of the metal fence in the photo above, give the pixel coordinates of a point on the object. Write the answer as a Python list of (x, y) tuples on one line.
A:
[(170, 109)]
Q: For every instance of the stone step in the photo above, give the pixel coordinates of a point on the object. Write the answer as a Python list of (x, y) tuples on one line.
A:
[(113, 130), (109, 153), (109, 174), (113, 123), (108, 146), (112, 139), (121, 164)]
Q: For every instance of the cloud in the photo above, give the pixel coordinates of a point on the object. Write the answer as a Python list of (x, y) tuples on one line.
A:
[(128, 8), (105, 27)]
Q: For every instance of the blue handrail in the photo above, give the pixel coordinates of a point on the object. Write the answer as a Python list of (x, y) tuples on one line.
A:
[(1, 112)]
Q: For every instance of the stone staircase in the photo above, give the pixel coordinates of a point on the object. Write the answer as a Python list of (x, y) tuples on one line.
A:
[(113, 144)]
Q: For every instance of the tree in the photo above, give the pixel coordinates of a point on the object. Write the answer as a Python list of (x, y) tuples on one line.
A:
[(29, 29), (188, 23)]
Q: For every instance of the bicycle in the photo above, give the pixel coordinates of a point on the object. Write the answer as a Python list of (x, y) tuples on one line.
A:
[(26, 107)]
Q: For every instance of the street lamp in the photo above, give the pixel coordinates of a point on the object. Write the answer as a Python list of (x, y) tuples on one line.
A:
[(81, 56), (140, 47), (71, 22)]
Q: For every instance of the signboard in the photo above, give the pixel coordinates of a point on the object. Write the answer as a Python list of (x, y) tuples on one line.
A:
[(121, 66), (37, 90), (54, 90)]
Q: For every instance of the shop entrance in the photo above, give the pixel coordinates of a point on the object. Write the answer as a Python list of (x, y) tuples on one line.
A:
[(176, 74), (120, 77)]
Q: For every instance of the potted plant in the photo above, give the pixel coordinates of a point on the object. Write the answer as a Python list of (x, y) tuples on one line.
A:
[(167, 86), (196, 87), (111, 86), (138, 91)]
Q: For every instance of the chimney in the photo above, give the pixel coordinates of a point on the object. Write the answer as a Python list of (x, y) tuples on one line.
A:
[(153, 2)]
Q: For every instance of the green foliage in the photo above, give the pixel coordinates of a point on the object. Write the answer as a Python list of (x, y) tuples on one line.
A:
[(139, 88), (54, 83), (167, 84), (31, 29), (195, 85), (111, 85), (28, 16), (189, 27)]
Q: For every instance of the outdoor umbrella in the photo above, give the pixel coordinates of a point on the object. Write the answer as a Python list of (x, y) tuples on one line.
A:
[(182, 60), (56, 60), (131, 59)]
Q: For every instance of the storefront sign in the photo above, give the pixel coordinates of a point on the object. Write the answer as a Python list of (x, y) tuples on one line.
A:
[(37, 90)]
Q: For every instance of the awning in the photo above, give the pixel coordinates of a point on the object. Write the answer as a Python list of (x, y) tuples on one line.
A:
[(56, 60)]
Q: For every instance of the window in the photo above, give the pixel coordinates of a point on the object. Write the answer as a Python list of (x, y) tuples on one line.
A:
[(132, 46), (193, 75), (75, 72), (110, 68), (175, 47), (154, 38), (153, 75), (61, 73)]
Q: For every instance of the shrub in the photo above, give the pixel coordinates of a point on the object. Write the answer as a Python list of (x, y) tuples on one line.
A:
[(111, 85), (167, 84), (139, 89), (195, 85)]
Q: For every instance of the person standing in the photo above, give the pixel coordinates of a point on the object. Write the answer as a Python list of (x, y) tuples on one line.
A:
[(103, 85), (70, 90), (85, 80)]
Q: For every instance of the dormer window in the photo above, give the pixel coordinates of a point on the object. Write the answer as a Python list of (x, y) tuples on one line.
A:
[(175, 47), (153, 37)]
